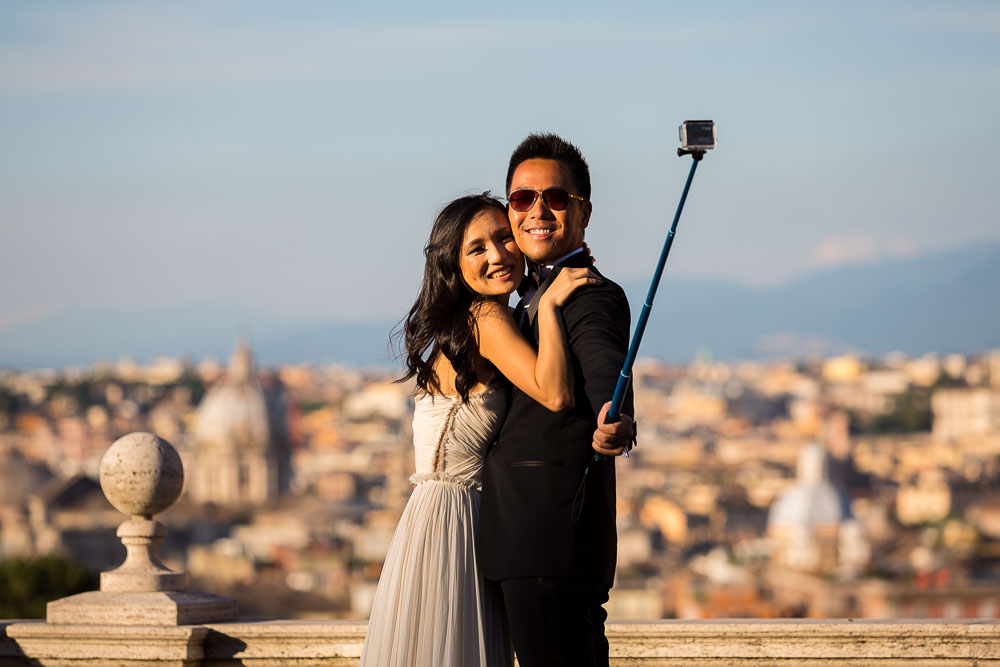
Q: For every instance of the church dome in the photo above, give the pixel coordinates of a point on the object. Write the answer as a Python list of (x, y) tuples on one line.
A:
[(235, 413), (813, 501), (240, 454)]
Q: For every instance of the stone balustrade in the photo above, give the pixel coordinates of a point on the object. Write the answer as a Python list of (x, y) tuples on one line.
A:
[(809, 643), (143, 614)]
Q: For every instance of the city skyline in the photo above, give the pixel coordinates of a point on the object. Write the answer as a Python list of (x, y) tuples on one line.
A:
[(840, 487)]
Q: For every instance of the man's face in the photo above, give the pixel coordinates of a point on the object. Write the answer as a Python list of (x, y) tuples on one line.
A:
[(542, 234)]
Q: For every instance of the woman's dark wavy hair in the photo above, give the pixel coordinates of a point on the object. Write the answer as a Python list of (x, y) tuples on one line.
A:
[(441, 319)]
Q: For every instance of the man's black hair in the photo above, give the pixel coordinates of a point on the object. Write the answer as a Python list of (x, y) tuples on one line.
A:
[(549, 146)]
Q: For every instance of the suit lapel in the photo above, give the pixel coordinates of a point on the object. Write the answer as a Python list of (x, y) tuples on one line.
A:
[(533, 306), (521, 320)]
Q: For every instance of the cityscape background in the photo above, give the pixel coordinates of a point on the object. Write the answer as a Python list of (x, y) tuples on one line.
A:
[(829, 487), (820, 385)]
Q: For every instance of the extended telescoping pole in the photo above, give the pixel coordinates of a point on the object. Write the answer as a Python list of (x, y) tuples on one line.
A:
[(697, 137), (614, 412)]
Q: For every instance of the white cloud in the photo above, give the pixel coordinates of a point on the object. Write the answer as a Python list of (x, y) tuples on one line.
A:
[(844, 250), (855, 247)]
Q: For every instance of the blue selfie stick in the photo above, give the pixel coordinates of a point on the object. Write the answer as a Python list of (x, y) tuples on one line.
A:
[(614, 411), (697, 136)]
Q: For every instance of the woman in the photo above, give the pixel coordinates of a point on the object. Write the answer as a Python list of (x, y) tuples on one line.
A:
[(431, 606)]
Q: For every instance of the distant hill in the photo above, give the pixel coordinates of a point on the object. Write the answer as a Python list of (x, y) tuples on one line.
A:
[(944, 302), (82, 337)]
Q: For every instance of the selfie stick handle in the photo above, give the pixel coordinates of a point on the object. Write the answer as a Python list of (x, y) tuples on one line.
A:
[(614, 412)]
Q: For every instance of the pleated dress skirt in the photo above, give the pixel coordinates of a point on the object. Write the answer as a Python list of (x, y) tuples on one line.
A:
[(432, 608)]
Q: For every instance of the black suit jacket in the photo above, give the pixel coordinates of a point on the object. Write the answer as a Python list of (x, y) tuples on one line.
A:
[(533, 474)]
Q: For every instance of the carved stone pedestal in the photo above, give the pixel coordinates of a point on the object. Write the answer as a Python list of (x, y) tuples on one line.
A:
[(143, 614), (157, 608), (141, 475)]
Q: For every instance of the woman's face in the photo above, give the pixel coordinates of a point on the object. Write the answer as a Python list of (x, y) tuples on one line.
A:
[(489, 259)]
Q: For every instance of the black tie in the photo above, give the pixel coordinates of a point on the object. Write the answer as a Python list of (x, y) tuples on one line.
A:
[(530, 281)]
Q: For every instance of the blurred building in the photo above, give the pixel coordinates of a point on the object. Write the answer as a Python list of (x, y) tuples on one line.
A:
[(925, 500), (805, 523), (240, 451), (960, 413)]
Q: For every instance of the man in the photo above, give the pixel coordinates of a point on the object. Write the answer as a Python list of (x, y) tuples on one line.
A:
[(548, 527)]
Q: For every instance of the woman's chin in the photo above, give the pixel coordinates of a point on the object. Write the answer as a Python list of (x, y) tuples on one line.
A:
[(511, 288), (500, 294)]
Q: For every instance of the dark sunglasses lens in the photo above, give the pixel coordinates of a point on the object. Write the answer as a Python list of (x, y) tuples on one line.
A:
[(521, 200), (556, 199)]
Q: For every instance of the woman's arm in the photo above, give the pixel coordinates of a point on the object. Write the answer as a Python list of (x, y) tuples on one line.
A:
[(544, 375)]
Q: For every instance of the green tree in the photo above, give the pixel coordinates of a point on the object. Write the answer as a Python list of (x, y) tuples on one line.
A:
[(194, 384), (910, 413), (27, 585)]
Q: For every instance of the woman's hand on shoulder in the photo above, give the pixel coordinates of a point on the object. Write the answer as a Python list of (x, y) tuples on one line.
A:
[(567, 282), (502, 344)]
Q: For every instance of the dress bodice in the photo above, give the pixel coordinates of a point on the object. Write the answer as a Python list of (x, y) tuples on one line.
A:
[(450, 437)]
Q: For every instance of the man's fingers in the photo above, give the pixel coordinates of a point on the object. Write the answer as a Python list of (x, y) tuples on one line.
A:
[(623, 427), (612, 439), (605, 443), (605, 450), (603, 414), (608, 445)]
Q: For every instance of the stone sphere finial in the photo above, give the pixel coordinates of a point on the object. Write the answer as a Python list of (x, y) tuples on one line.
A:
[(141, 474)]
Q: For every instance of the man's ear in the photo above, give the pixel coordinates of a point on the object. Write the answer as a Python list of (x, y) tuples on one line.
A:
[(588, 207)]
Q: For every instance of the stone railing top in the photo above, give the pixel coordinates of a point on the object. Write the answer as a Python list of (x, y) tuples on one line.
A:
[(886, 643)]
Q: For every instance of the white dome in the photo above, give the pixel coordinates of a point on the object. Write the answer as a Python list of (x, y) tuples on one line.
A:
[(234, 413), (813, 501), (808, 506)]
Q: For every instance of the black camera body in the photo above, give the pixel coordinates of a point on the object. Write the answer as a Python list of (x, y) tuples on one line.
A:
[(698, 135)]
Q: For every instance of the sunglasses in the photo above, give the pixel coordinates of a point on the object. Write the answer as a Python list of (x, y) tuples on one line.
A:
[(556, 199)]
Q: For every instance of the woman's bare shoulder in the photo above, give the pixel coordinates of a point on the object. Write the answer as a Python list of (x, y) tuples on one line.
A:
[(488, 308)]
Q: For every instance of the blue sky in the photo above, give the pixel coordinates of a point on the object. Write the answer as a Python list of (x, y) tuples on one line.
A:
[(291, 156)]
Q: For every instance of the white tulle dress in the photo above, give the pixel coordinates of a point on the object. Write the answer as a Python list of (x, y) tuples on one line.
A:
[(431, 607)]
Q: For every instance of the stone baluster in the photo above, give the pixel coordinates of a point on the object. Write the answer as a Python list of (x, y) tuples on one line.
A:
[(141, 475)]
